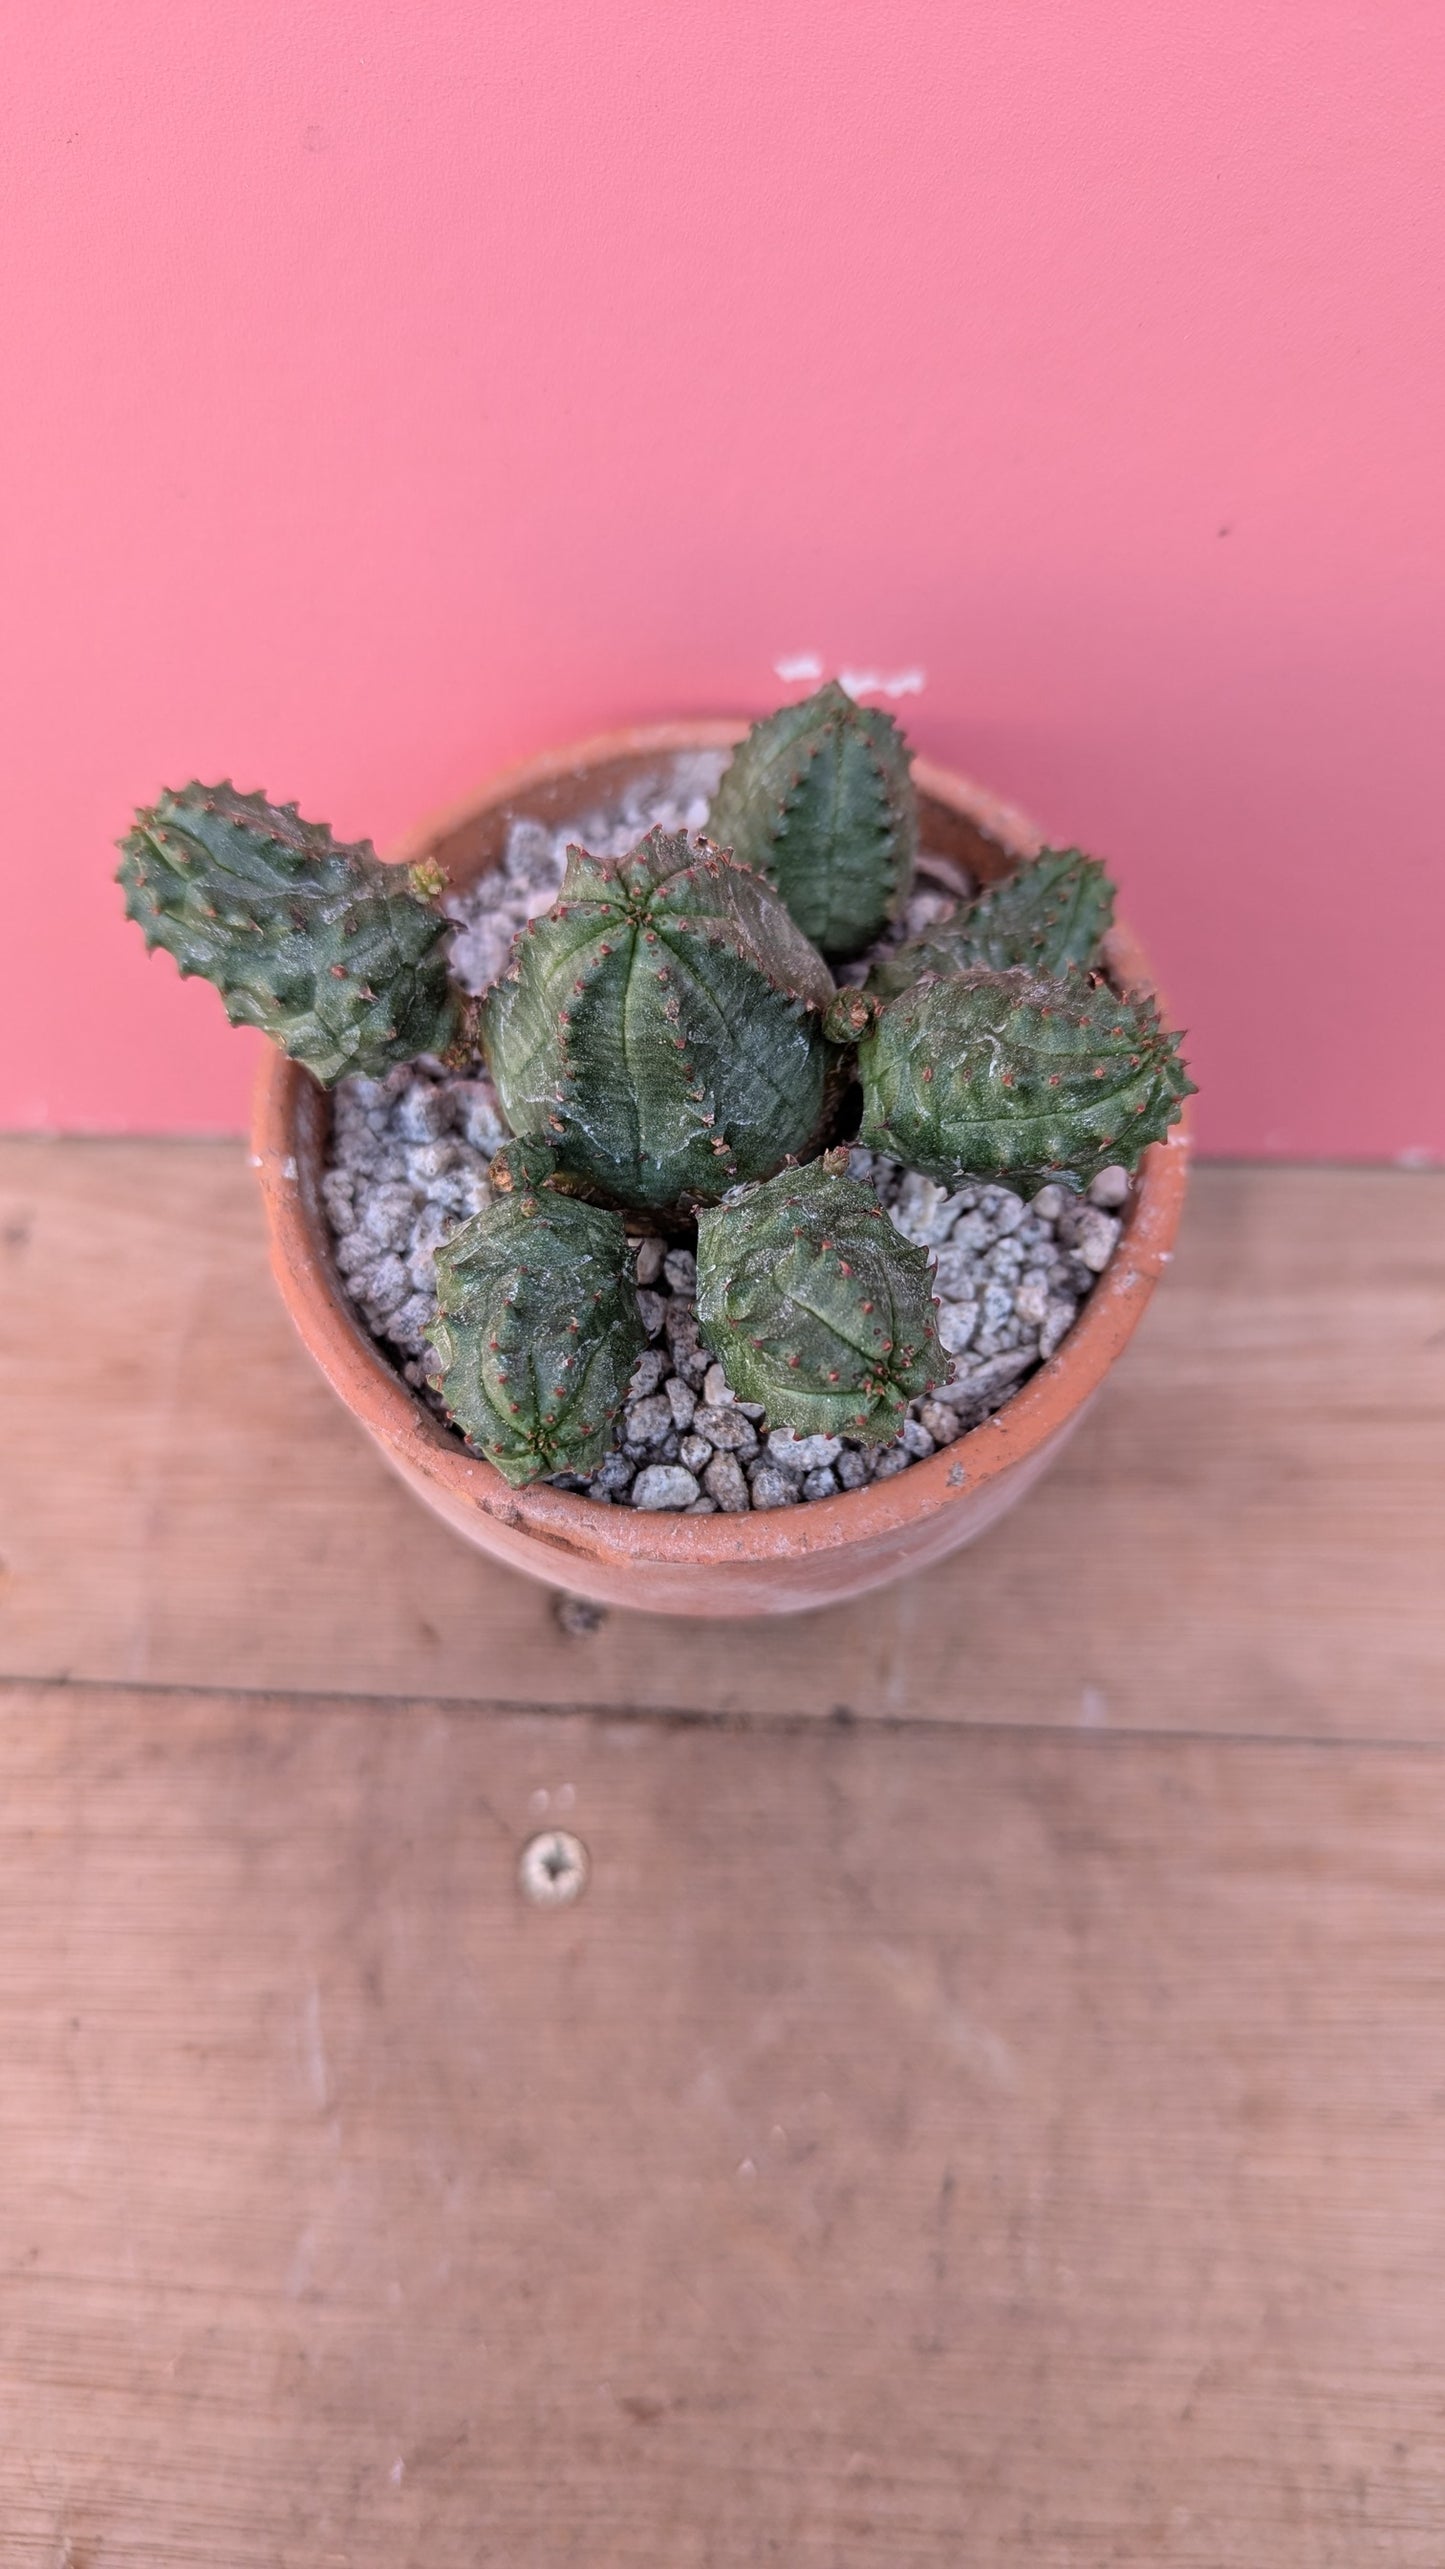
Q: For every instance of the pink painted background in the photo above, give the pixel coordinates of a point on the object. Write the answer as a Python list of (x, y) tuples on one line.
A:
[(391, 390)]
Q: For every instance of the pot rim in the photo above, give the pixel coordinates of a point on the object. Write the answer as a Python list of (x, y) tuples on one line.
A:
[(288, 1136)]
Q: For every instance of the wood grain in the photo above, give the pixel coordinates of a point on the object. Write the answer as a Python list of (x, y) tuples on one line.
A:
[(916, 2148), (1245, 1537), (999, 2123)]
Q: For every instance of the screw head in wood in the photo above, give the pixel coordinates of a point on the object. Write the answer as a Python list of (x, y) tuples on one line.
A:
[(553, 1868)]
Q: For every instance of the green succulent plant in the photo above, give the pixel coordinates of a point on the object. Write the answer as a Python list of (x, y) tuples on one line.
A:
[(820, 798), (537, 1330), (1006, 1074), (341, 959), (818, 1307), (662, 1025), (1051, 912), (668, 1041)]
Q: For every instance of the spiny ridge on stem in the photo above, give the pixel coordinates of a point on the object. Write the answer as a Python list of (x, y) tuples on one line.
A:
[(339, 958), (820, 796)]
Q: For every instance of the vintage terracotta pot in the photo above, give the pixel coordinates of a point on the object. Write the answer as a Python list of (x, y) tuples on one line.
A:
[(775, 1562)]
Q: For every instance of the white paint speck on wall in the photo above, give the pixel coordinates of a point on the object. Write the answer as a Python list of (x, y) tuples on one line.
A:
[(805, 667), (871, 682)]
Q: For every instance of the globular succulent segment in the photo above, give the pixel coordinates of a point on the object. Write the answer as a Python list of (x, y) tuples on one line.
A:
[(815, 1305), (1051, 912), (537, 1331), (341, 959), (661, 1027), (985, 1074), (821, 798)]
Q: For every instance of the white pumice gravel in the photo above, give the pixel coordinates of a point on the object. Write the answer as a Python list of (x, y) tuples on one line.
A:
[(408, 1164), (491, 911)]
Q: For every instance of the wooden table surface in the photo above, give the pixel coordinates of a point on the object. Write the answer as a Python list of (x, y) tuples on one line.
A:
[(989, 2103)]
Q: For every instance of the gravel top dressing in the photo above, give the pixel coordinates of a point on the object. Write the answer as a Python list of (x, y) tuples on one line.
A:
[(409, 1160)]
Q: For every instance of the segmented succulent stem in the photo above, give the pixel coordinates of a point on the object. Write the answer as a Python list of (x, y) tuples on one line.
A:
[(339, 958), (661, 1026), (537, 1331), (814, 1305), (1003, 1074), (820, 797), (1053, 911)]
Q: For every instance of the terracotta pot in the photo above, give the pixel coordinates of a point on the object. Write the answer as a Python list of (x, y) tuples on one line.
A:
[(775, 1562)]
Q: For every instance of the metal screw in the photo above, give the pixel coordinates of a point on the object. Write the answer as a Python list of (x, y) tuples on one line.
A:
[(553, 1868)]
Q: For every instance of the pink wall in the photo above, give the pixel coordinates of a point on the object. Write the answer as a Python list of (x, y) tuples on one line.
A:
[(394, 389)]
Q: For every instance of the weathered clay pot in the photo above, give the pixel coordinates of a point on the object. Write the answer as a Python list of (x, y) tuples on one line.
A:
[(774, 1562)]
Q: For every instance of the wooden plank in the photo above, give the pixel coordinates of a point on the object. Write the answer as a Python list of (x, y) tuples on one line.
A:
[(915, 2148), (1245, 1536)]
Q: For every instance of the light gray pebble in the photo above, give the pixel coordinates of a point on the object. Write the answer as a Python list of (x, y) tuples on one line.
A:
[(613, 1475), (924, 1210), (388, 1285), (772, 1488), (727, 1429), (679, 1320), (648, 1262), (649, 1373), (715, 1388), (821, 1484), (955, 1273), (1110, 1188), (957, 1322), (1004, 1209), (1097, 1234), (1048, 1204), (973, 1233), (850, 1470), (355, 1254), (694, 1451), (724, 1480), (997, 1372), (427, 1161), (915, 1438), (940, 1421), (386, 1216), (423, 1112), (1058, 1318), (681, 1400), (410, 1323), (653, 1308), (680, 1268), (1005, 1262), (664, 1485), (802, 1453), (892, 1460), (924, 908), (997, 1305), (646, 1421), (1031, 1299), (701, 1507), (478, 1119)]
